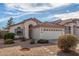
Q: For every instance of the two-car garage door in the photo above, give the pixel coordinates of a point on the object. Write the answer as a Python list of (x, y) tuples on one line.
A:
[(49, 35)]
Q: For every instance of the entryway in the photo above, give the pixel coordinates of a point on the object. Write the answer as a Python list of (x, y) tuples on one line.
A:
[(30, 31)]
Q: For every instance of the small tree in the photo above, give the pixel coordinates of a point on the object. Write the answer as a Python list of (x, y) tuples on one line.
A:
[(10, 22), (67, 42)]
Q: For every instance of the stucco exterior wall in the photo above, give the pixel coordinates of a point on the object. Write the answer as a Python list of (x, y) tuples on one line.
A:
[(26, 26), (77, 29), (77, 23), (77, 32), (72, 28), (36, 33), (12, 28)]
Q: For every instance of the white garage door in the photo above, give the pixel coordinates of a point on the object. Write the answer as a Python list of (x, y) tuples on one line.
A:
[(51, 34)]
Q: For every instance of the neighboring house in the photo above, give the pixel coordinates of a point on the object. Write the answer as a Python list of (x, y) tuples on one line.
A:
[(71, 26), (34, 29)]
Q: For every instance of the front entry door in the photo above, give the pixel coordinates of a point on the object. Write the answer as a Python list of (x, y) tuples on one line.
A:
[(30, 31)]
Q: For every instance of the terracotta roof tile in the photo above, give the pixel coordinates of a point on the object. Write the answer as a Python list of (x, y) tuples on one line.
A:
[(48, 25), (33, 19)]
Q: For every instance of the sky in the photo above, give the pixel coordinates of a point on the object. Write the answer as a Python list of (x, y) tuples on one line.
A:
[(41, 11)]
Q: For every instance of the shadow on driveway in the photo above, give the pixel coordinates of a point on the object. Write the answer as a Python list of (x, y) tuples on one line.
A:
[(72, 53)]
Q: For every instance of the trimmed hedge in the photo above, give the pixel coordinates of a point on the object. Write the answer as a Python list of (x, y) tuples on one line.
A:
[(67, 42)]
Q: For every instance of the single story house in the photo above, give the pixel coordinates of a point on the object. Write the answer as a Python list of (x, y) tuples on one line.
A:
[(34, 29)]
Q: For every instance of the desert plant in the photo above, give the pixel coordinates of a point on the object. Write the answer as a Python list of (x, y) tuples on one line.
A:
[(8, 38), (67, 42)]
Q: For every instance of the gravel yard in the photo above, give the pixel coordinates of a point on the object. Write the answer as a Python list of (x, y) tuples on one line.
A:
[(34, 49)]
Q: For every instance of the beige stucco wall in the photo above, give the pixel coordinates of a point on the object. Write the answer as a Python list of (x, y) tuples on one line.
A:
[(71, 25), (36, 33), (77, 23), (12, 29), (74, 29), (77, 29), (25, 26)]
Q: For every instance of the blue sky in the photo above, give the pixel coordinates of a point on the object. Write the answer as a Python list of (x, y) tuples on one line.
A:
[(41, 11)]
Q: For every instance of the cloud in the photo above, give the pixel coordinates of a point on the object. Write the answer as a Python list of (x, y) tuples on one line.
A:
[(4, 19), (63, 16), (51, 17), (12, 13), (33, 6), (67, 15), (27, 7), (54, 5), (23, 9), (23, 14)]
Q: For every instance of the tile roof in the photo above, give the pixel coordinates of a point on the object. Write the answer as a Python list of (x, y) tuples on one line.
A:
[(33, 19), (48, 25)]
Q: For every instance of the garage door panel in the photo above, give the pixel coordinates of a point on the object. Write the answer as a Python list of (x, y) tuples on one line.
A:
[(51, 34)]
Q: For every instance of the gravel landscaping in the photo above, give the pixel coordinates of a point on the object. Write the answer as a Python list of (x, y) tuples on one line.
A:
[(29, 49)]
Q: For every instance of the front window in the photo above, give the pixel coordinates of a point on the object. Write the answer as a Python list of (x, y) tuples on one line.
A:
[(19, 31), (67, 29)]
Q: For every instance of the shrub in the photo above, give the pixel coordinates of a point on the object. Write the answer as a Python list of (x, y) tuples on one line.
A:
[(42, 41), (67, 42), (32, 41), (8, 38), (9, 41)]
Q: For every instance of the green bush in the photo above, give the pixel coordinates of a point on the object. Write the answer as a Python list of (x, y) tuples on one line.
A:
[(9, 41), (9, 38), (67, 42)]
